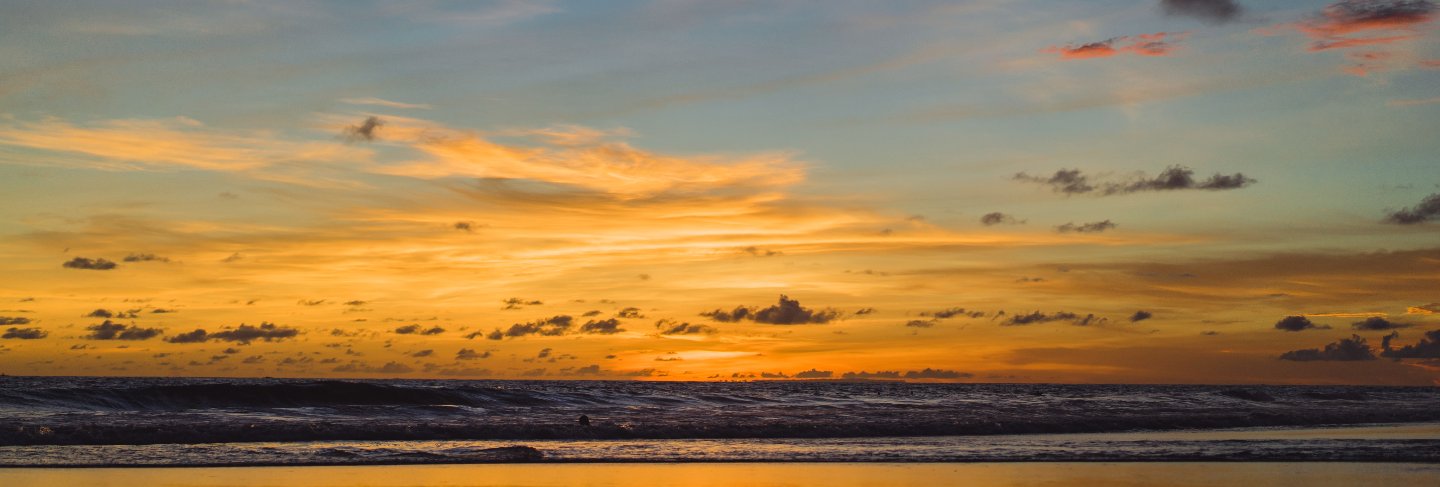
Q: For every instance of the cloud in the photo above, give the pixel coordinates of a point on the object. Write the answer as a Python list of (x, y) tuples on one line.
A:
[(14, 320), (1346, 349), (423, 353), (1092, 227), (786, 312), (370, 100), (1428, 347), (929, 373), (1376, 323), (552, 326), (1173, 178), (1141, 315), (629, 313), (245, 333), (518, 303), (1337, 25), (585, 159), (920, 323), (815, 374), (465, 226), (197, 336), (1427, 210), (602, 327), (1038, 317), (1424, 309), (89, 264), (418, 330), (25, 334), (145, 257), (997, 218), (1212, 11), (1157, 44), (129, 144), (116, 331), (948, 313), (388, 368), (1297, 323), (864, 311), (470, 354), (364, 131), (668, 327), (879, 374)]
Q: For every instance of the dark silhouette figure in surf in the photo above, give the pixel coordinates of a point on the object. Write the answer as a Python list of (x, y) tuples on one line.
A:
[(584, 420)]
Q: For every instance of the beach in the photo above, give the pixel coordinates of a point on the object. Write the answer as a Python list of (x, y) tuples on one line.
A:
[(753, 474)]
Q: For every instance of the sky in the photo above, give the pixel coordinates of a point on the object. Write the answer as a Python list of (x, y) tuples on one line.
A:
[(1138, 191)]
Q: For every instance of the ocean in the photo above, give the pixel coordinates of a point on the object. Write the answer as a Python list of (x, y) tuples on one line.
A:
[(100, 421)]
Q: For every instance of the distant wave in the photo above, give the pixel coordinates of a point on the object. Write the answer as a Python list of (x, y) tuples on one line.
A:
[(77, 411)]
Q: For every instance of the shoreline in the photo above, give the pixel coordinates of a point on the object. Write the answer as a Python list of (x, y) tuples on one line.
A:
[(1197, 474), (1373, 443)]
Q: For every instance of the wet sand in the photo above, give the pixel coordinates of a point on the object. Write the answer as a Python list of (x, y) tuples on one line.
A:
[(751, 474)]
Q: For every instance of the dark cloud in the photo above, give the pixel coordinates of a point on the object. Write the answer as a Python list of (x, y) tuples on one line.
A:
[(920, 323), (786, 312), (1347, 349), (1173, 178), (355, 303), (465, 226), (423, 353), (815, 374), (418, 330), (629, 313), (197, 336), (116, 331), (879, 374), (1376, 323), (145, 257), (89, 264), (739, 313), (1092, 227), (1428, 347), (1212, 11), (245, 334), (469, 354), (1038, 317), (668, 327), (25, 334), (552, 326), (164, 310), (518, 303), (1068, 181), (997, 218), (864, 311), (1141, 315), (930, 373), (364, 131), (1297, 323), (1427, 210), (602, 327), (946, 314), (14, 320), (544, 352), (310, 302)]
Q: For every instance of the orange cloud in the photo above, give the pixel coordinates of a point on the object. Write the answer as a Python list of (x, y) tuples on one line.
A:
[(1157, 44), (1336, 26)]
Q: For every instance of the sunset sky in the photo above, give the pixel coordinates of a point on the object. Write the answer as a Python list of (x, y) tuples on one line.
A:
[(1179, 191)]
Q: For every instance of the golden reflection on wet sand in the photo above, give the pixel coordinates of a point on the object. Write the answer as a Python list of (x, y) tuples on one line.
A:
[(750, 474)]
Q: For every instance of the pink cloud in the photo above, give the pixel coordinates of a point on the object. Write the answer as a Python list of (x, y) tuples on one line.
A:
[(1347, 23), (1157, 44)]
